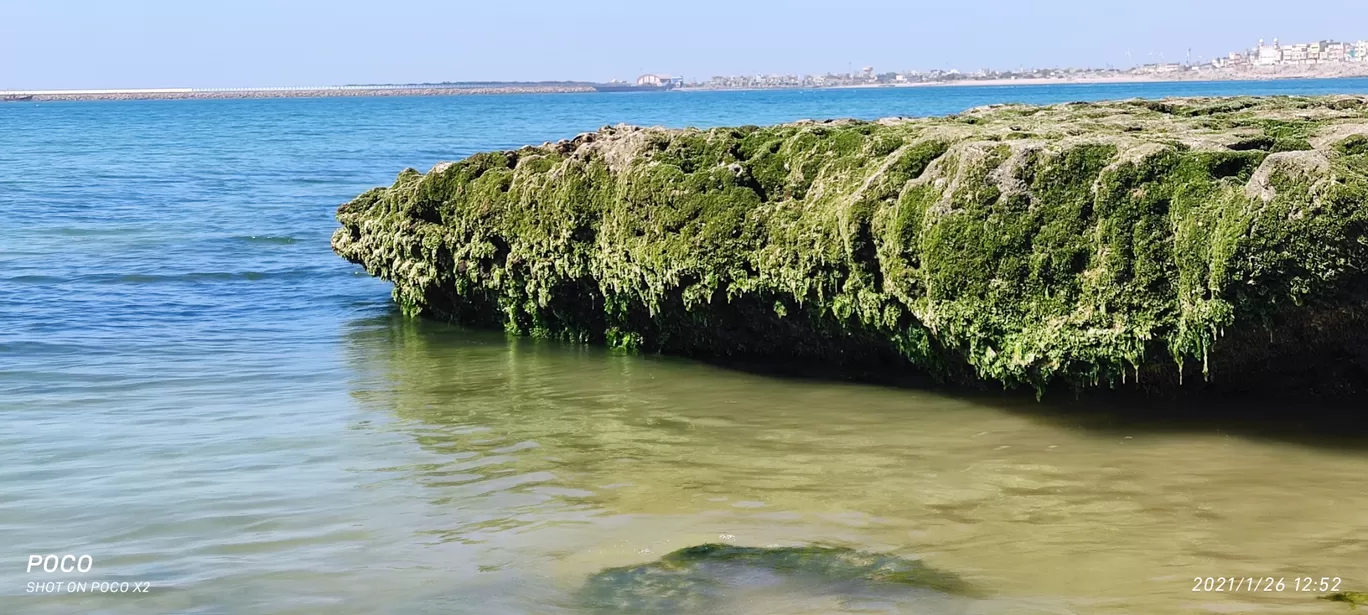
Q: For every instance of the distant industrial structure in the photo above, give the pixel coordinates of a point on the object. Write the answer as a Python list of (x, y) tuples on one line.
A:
[(659, 81), (645, 83)]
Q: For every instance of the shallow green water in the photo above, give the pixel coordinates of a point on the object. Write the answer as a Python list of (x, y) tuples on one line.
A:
[(1032, 506), (480, 474)]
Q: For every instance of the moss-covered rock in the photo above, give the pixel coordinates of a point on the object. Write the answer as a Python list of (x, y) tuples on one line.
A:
[(714, 578), (1217, 242), (1355, 599)]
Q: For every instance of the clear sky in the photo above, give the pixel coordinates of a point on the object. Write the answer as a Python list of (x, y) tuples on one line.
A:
[(206, 43)]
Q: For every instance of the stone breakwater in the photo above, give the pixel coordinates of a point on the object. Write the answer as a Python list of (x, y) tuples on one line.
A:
[(305, 93), (1214, 243)]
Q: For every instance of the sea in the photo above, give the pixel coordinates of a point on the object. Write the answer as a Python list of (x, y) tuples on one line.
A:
[(203, 410)]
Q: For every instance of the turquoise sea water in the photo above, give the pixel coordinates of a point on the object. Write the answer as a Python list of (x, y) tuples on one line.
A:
[(197, 393)]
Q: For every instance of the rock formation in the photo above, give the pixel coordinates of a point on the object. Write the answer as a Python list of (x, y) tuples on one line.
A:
[(1198, 243), (719, 578)]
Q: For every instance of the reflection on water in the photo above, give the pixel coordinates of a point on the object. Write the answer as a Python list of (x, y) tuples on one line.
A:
[(417, 468), (560, 461)]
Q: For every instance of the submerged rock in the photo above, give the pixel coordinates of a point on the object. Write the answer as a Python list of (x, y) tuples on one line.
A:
[(1214, 242), (715, 578), (1355, 599)]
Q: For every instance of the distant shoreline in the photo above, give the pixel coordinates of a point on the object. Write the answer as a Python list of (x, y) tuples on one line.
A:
[(581, 88), (1106, 80), (1110, 79)]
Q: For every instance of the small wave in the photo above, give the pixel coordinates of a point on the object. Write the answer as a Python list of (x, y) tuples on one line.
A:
[(197, 276), (266, 239), (77, 231), (35, 279)]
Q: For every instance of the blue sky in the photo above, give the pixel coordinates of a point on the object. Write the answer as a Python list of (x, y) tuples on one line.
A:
[(193, 43)]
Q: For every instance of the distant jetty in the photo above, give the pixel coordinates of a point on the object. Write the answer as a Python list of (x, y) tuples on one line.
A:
[(626, 87), (442, 89), (645, 83)]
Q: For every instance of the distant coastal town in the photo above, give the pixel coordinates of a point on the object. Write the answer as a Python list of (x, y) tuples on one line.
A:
[(1263, 61), (1300, 54), (1323, 59)]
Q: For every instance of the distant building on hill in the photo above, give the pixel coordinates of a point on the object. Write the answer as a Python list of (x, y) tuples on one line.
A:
[(1332, 51), (1267, 55), (1157, 69), (1296, 54), (1232, 60), (1322, 52)]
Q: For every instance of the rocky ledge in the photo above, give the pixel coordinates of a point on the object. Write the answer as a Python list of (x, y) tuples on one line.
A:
[(724, 578), (1212, 243)]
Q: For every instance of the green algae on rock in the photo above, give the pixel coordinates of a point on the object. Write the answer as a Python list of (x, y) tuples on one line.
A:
[(1355, 599), (708, 578), (1214, 241)]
